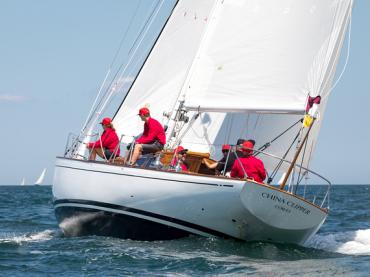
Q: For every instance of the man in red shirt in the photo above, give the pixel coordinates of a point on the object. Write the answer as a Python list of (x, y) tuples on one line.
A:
[(153, 138), (253, 167)]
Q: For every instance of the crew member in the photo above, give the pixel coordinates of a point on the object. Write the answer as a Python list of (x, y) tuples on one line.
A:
[(229, 157), (107, 146), (179, 159), (153, 138), (252, 166), (219, 166)]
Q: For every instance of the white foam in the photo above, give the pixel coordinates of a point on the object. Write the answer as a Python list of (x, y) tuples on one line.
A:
[(351, 242), (40, 236), (72, 226)]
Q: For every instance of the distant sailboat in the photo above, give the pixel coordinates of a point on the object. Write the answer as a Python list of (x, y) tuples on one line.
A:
[(23, 182), (41, 178)]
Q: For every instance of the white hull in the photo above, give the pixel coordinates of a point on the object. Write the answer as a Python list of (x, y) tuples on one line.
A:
[(102, 199)]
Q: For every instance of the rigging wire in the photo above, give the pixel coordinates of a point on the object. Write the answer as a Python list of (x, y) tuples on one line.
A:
[(94, 106), (267, 144), (276, 169), (121, 70)]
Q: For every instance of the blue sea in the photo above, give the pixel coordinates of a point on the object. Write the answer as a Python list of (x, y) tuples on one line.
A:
[(32, 244)]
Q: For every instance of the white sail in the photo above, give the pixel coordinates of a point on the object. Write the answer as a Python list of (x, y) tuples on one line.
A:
[(264, 60), (267, 56), (41, 178), (161, 78), (264, 65), (23, 182)]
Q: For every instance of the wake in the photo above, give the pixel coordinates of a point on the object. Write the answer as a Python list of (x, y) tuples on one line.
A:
[(33, 237), (350, 243)]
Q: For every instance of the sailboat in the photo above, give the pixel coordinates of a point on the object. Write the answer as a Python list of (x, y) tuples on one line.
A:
[(41, 177), (219, 70), (23, 182)]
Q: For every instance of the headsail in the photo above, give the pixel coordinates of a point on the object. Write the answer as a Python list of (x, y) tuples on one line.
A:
[(161, 79)]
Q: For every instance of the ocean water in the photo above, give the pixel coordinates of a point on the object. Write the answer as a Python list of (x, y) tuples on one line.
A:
[(31, 244)]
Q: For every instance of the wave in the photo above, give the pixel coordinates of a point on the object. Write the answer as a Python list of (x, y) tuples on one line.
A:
[(350, 242), (39, 236)]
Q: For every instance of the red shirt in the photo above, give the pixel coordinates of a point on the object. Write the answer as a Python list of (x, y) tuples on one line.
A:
[(253, 167), (108, 140), (153, 131)]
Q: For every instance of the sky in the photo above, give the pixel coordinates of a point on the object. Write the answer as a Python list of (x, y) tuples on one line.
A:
[(55, 54)]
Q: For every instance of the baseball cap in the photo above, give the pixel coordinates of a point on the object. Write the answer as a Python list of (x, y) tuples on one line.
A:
[(181, 149), (144, 111), (225, 147), (106, 121), (248, 147)]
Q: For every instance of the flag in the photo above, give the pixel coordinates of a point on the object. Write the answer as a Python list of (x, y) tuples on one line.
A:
[(307, 121)]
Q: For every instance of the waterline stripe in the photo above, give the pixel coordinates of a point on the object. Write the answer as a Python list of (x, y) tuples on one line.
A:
[(170, 221)]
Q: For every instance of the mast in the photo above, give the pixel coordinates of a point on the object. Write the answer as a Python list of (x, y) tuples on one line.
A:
[(179, 104), (162, 76)]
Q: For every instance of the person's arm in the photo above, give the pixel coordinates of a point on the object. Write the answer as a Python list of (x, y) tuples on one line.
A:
[(210, 165), (97, 143)]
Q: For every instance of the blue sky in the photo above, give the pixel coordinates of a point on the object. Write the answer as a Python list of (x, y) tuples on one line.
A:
[(54, 55)]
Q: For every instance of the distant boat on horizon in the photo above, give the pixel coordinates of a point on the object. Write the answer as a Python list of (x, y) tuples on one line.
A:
[(23, 182), (41, 178)]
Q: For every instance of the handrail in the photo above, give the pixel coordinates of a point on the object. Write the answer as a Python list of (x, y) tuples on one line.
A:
[(326, 197), (296, 165), (327, 194)]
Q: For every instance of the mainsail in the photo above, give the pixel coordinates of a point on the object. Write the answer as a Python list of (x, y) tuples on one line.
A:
[(267, 56), (248, 67)]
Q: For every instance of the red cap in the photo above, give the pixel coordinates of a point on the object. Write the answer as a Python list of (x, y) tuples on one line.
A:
[(248, 146), (106, 121), (180, 148), (144, 111), (225, 147)]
